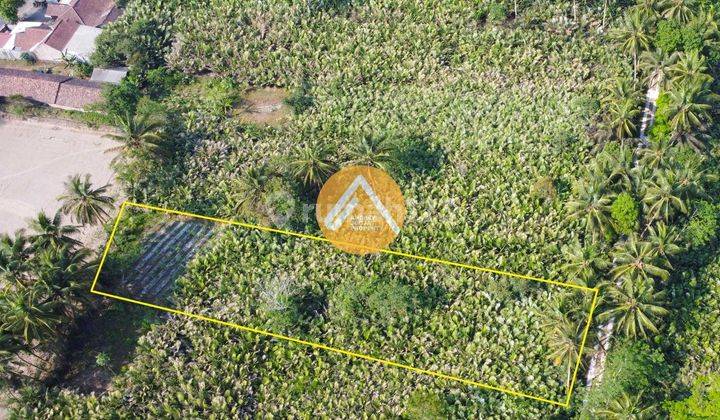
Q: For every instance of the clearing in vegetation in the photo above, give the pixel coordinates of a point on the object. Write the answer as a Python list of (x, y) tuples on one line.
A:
[(338, 304)]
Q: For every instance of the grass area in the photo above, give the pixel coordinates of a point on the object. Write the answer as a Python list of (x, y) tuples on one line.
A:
[(21, 107), (104, 342)]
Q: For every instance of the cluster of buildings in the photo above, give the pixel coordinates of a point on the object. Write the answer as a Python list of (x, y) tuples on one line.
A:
[(50, 31), (57, 27)]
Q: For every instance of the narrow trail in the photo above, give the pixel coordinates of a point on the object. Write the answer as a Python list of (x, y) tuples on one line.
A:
[(605, 332), (165, 257)]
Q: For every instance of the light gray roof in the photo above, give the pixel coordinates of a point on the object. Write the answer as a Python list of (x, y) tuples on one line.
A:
[(114, 75)]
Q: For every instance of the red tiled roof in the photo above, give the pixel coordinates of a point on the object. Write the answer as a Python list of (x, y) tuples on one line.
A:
[(61, 35), (93, 12), (56, 9), (78, 94), (38, 86), (4, 36), (30, 37)]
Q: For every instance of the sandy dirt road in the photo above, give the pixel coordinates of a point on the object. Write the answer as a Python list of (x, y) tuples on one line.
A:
[(36, 158)]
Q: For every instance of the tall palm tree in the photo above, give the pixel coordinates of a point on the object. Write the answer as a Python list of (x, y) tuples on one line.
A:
[(625, 407), (313, 164), (64, 271), (664, 196), (564, 334), (15, 253), (632, 37), (656, 65), (140, 135), (585, 264), (689, 68), (622, 104), (25, 312), (689, 110), (679, 10), (648, 9), (250, 188), (665, 240), (86, 204), (635, 306), (657, 155), (623, 116), (637, 259), (591, 204), (51, 232), (373, 151)]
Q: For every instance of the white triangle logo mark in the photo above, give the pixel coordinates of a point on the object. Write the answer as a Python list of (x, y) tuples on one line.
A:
[(348, 201)]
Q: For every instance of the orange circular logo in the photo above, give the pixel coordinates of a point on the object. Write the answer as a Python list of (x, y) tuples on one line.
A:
[(360, 209)]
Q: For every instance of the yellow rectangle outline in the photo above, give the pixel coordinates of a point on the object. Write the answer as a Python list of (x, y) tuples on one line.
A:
[(335, 349)]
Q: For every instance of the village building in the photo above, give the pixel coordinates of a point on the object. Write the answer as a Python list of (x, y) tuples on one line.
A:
[(68, 28)]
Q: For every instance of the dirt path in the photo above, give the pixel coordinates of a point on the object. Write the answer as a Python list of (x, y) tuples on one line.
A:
[(597, 362), (37, 158)]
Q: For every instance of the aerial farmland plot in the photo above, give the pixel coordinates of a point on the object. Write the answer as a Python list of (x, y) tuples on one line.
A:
[(377, 209)]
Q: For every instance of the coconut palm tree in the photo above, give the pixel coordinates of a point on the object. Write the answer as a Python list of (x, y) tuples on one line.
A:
[(665, 240), (656, 65), (633, 37), (622, 117), (373, 151), (635, 306), (15, 253), (313, 164), (564, 342), (139, 136), (51, 232), (657, 155), (689, 68), (664, 196), (591, 204), (25, 312), (64, 271), (625, 407), (563, 325), (251, 187), (585, 264), (637, 259), (679, 10), (621, 103), (689, 111), (84, 203), (648, 9)]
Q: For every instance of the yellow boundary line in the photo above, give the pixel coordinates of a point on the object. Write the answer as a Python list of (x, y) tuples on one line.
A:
[(335, 349)]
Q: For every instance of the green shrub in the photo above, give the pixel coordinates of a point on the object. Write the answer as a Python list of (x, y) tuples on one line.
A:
[(382, 301), (497, 12), (692, 39), (669, 36), (703, 225), (278, 302), (625, 213), (28, 57), (9, 9), (160, 82), (544, 188), (424, 405), (703, 403), (123, 98), (300, 99), (630, 368)]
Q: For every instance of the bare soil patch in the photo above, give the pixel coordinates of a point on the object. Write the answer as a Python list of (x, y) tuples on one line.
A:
[(265, 106)]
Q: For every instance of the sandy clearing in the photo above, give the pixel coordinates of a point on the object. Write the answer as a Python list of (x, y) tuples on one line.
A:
[(36, 158)]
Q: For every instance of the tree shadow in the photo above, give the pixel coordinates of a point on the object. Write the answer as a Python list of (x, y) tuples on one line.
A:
[(415, 155)]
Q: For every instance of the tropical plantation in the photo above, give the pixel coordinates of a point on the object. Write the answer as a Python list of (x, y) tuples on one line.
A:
[(565, 140)]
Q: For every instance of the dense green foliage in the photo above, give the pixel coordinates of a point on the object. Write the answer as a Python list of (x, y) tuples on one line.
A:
[(514, 142), (9, 9)]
